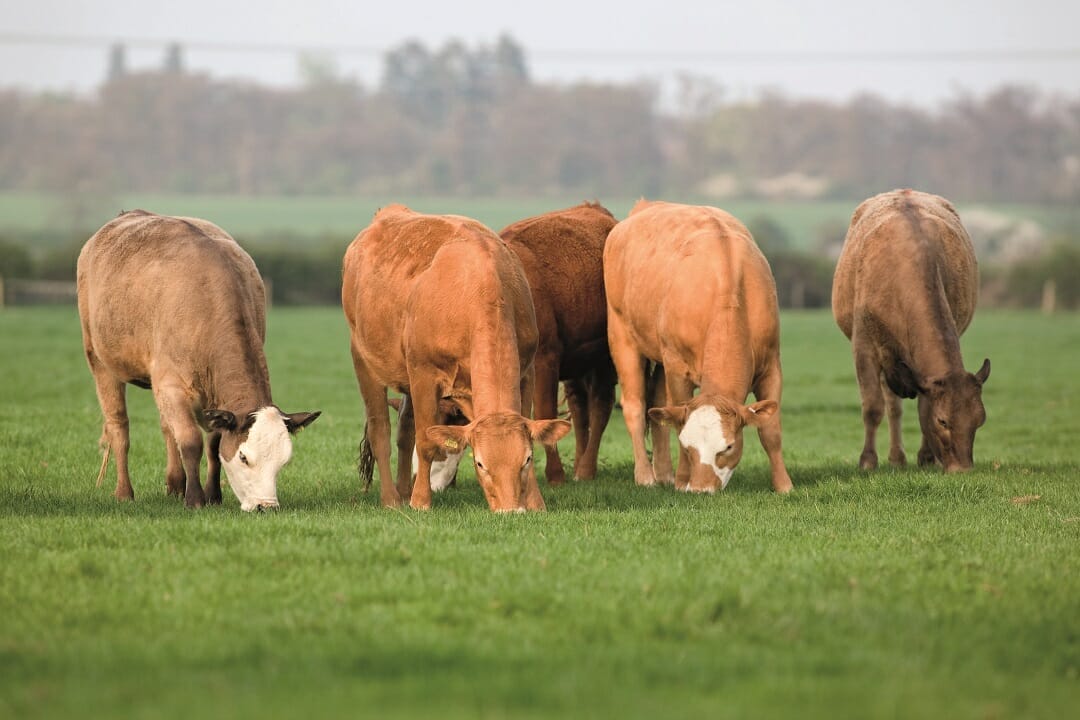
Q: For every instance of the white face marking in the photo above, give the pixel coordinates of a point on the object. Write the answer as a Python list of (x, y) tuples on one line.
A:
[(704, 432), (442, 472), (267, 448)]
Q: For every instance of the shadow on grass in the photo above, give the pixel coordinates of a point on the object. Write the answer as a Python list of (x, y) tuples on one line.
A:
[(612, 491)]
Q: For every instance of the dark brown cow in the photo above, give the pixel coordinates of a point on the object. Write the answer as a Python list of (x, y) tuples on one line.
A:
[(905, 289), (688, 288), (175, 305), (439, 308), (563, 253)]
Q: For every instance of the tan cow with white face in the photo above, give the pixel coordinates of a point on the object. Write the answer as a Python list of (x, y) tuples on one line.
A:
[(439, 309), (689, 289), (905, 289), (175, 305)]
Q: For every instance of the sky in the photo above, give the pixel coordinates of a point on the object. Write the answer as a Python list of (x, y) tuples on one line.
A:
[(920, 52)]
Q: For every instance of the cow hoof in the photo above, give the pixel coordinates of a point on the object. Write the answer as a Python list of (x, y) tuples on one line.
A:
[(898, 459), (868, 461), (419, 505)]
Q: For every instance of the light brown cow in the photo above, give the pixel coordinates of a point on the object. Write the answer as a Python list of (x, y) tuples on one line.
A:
[(688, 288), (904, 291), (439, 308), (175, 305), (563, 253)]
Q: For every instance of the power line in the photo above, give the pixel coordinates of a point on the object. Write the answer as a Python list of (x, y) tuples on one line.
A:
[(1020, 55)]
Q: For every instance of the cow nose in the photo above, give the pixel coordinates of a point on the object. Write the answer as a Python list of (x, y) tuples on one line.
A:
[(266, 505)]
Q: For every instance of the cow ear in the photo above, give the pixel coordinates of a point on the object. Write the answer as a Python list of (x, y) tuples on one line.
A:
[(984, 372), (674, 415), (759, 413), (219, 420), (300, 420), (451, 438), (548, 432)]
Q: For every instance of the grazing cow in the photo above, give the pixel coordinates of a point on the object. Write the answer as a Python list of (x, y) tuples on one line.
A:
[(175, 305), (562, 253), (688, 288), (439, 308), (904, 291)]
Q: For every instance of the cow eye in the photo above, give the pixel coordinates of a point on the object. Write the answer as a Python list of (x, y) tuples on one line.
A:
[(527, 461), (243, 458), (479, 464), (943, 423)]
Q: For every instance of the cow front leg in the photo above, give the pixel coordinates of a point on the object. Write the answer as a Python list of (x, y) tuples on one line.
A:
[(770, 387), (661, 434), (894, 410), (213, 469), (546, 406)]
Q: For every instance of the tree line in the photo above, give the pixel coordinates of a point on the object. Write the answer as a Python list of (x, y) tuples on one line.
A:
[(472, 120)]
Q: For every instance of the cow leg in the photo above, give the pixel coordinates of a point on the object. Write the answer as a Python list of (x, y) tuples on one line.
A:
[(113, 399), (577, 400), (769, 387), (661, 435), (926, 455), (174, 466), (175, 409), (425, 397), (546, 405), (376, 429), (213, 469), (868, 374), (601, 401), (406, 441), (630, 366), (680, 390), (894, 409)]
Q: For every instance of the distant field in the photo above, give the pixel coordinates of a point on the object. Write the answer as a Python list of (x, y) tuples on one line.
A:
[(895, 594), (345, 216)]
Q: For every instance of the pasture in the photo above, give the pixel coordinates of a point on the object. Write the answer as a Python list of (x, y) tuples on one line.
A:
[(895, 594)]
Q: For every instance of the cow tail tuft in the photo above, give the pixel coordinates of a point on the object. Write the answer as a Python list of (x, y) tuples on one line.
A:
[(365, 465)]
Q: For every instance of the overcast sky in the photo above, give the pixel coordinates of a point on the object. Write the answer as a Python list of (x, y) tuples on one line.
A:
[(918, 51)]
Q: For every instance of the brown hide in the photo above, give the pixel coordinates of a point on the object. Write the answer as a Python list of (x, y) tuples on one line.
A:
[(439, 307), (562, 253), (688, 288), (174, 304), (905, 289)]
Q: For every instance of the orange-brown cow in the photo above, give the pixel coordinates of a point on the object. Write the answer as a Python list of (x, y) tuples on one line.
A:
[(688, 288), (904, 291), (562, 253), (173, 304), (439, 308)]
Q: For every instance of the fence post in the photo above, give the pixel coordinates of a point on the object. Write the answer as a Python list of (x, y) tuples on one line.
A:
[(1049, 296)]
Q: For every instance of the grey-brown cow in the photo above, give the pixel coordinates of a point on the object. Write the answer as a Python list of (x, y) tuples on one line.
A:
[(904, 291), (175, 305)]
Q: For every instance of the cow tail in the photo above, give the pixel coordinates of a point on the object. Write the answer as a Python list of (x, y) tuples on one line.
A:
[(366, 463)]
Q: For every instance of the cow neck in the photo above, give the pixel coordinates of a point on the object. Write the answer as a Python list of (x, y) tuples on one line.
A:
[(495, 370), (239, 378), (726, 371)]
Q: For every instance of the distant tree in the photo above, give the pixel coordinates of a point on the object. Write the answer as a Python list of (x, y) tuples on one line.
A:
[(117, 62), (174, 60)]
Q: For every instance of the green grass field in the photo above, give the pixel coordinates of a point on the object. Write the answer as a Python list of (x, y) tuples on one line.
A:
[(896, 594), (255, 216)]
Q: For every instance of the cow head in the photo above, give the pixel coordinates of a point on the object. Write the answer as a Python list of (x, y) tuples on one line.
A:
[(950, 411), (710, 431), (255, 450), (502, 445)]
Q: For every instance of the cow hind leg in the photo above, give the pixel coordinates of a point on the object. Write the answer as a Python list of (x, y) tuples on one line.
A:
[(406, 441), (577, 401), (630, 366), (113, 399), (376, 441), (894, 410), (425, 414), (873, 406), (601, 399)]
